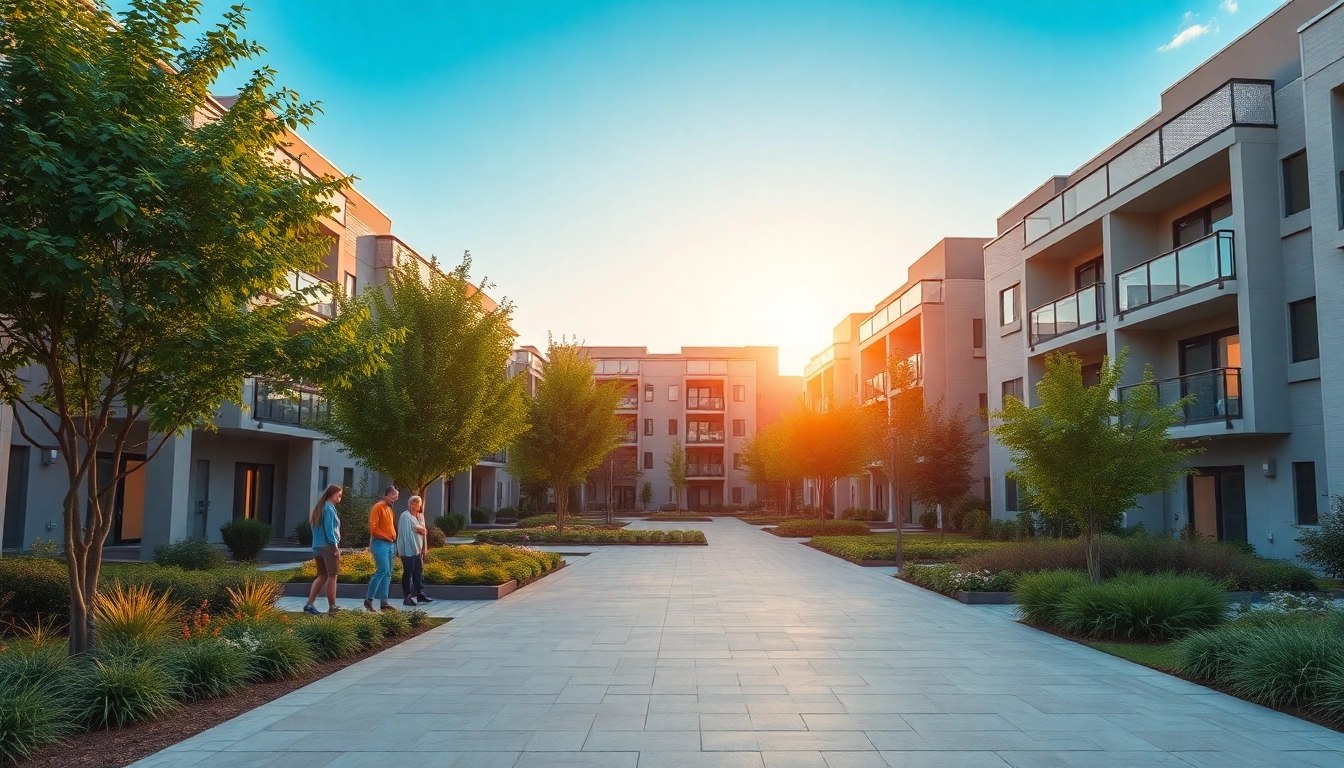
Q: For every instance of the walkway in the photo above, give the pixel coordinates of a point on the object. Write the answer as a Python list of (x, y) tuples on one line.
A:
[(754, 651)]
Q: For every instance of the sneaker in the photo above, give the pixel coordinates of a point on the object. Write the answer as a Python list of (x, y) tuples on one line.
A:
[(368, 606), (408, 601), (423, 598), (310, 608), (386, 606), (332, 610)]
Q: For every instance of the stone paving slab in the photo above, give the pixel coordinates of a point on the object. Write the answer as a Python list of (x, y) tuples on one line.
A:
[(754, 651)]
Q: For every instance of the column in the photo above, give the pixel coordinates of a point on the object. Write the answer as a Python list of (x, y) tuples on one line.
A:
[(435, 500), (461, 501), (301, 489), (6, 434), (167, 494)]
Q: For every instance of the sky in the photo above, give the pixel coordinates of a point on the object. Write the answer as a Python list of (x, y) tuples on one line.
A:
[(698, 173)]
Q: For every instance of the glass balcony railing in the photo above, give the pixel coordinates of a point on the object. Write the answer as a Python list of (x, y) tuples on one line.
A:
[(320, 293), (1204, 262), (923, 292), (303, 407), (628, 403), (704, 470), (825, 358), (631, 437), (705, 436), (1080, 308), (1237, 102), (704, 403), (1216, 394), (877, 386)]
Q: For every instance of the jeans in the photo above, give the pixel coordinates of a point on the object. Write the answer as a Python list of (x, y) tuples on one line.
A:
[(412, 575), (381, 581)]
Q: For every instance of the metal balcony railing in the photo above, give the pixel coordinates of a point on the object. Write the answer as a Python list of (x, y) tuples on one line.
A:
[(628, 403), (1216, 394), (704, 403), (1081, 308), (923, 292), (498, 457), (1204, 262), (304, 408), (705, 436), (322, 300), (704, 470), (631, 436), (1235, 103)]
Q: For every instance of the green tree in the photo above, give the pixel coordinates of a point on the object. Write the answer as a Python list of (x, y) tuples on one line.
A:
[(617, 467), (572, 425), (1088, 456), (444, 399), (946, 450), (769, 461), (826, 445), (900, 429), (646, 495), (147, 243), (675, 461)]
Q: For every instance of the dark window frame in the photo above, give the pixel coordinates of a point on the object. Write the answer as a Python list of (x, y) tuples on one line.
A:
[(1302, 494), (1204, 215), (1301, 349), (648, 427), (648, 459), (1014, 291), (672, 427), (1286, 169), (740, 389), (977, 333), (742, 423)]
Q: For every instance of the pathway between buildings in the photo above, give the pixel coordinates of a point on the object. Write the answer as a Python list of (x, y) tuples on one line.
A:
[(753, 651)]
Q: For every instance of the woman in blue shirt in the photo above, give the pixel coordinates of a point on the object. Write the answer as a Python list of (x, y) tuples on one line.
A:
[(326, 547)]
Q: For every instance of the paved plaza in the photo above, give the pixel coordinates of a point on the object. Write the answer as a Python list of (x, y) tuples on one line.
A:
[(752, 652)]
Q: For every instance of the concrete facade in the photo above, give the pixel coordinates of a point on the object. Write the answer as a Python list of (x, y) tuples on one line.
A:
[(1212, 186), (712, 399), (936, 319)]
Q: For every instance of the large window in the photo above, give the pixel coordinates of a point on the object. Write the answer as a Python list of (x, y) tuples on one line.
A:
[(1296, 196), (737, 461), (1302, 322), (350, 285), (977, 333), (648, 427), (1202, 223), (672, 427), (739, 393), (1013, 388), (648, 393), (322, 474), (1008, 305), (348, 478), (673, 392), (737, 495), (739, 427), (1304, 488), (648, 459), (1010, 502)]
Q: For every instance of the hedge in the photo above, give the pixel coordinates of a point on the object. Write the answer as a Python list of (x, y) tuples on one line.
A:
[(859, 548), (813, 527), (463, 564), (549, 535), (948, 579)]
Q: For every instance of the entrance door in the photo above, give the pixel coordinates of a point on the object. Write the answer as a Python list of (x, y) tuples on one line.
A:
[(1216, 502), (253, 491), (16, 497), (127, 499), (200, 491)]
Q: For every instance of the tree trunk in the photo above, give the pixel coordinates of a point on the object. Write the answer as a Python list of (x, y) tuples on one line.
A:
[(1092, 538), (561, 508)]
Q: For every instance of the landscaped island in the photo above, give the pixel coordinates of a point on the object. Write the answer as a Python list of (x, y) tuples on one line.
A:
[(463, 564), (587, 535)]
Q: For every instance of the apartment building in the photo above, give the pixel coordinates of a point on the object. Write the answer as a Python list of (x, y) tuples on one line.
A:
[(1205, 242), (264, 460), (936, 320), (712, 399)]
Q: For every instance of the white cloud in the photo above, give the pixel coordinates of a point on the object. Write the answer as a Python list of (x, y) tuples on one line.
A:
[(1231, 6), (1190, 31)]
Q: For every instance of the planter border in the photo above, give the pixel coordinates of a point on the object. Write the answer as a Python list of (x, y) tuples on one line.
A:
[(357, 590)]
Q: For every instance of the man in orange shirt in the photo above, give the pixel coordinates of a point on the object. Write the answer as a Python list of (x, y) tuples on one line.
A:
[(382, 545)]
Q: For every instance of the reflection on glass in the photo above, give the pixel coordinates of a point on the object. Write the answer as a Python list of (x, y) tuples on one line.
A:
[(1198, 263)]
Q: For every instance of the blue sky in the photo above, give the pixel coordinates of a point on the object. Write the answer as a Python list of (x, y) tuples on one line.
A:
[(701, 173)]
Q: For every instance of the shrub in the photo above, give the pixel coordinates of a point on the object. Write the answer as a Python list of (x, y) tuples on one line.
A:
[(444, 565), (587, 536), (190, 554), (367, 627), (506, 513), (394, 623), (435, 538), (126, 615), (1209, 654), (37, 668), (273, 652), (254, 600), (1140, 607), (30, 716), (949, 578), (1286, 664), (806, 527), (976, 522), (929, 520), (207, 668), (246, 538), (37, 587), (860, 548), (856, 513), (538, 521), (1040, 595), (1330, 694), (416, 617), (1323, 546), (969, 502), (117, 691), (450, 523), (327, 638), (480, 516), (303, 533)]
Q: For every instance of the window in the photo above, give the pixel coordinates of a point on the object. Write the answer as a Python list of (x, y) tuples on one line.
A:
[(1008, 305), (672, 427), (1012, 387), (1304, 489), (673, 393), (648, 393), (322, 478), (984, 401), (1202, 222), (348, 478), (648, 427), (739, 393), (1010, 494), (739, 427), (648, 459), (737, 461), (986, 488), (350, 285), (1087, 274), (978, 333), (670, 498), (1302, 323), (737, 495), (1296, 197)]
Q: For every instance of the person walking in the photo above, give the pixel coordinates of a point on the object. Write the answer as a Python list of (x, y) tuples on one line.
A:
[(411, 550), (382, 545), (326, 528)]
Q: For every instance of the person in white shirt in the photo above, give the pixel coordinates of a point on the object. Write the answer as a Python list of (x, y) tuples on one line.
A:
[(411, 550)]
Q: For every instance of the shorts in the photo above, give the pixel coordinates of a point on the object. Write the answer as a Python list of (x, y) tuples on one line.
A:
[(328, 561)]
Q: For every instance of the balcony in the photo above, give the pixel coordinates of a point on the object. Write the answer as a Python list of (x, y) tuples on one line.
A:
[(305, 407), (877, 387), (704, 470), (825, 358), (319, 293), (704, 403), (628, 403), (1216, 394), (1065, 315), (498, 457), (923, 292), (626, 369), (631, 437), (1236, 103), (705, 436), (1204, 262)]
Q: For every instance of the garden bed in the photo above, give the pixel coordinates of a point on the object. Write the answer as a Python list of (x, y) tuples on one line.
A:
[(485, 569), (358, 590), (872, 550), (592, 536), (113, 749), (663, 517)]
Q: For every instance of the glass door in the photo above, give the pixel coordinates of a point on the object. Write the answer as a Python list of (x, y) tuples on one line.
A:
[(16, 497), (254, 491), (1216, 501), (1202, 360)]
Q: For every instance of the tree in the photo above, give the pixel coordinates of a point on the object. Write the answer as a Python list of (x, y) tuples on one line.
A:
[(572, 425), (646, 495), (946, 449), (768, 460), (444, 399), (830, 444), (675, 461), (1088, 456), (904, 424), (147, 242), (617, 466)]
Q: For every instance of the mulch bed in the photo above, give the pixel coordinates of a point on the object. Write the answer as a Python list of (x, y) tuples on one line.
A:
[(113, 749)]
